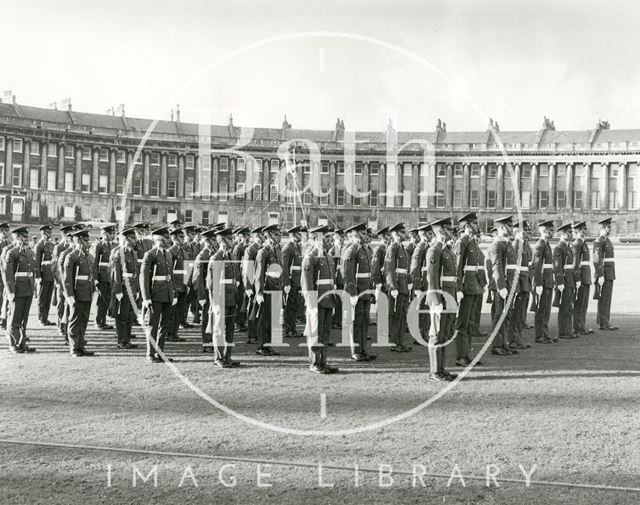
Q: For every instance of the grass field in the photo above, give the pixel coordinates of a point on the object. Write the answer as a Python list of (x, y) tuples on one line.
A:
[(571, 408)]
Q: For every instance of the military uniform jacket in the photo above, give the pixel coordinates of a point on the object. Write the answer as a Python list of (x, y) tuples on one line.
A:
[(468, 254), (563, 265), (396, 268), (482, 268), (409, 248), (581, 263), (268, 270), (143, 245), (603, 261), (237, 255), (542, 264), (44, 260), (418, 267), (125, 269), (291, 264), (499, 257), (249, 265), (336, 254), (19, 271), (156, 276), (356, 269), (102, 255), (56, 268), (524, 279), (222, 278), (200, 267), (78, 275), (319, 275), (441, 273), (378, 263), (179, 267)]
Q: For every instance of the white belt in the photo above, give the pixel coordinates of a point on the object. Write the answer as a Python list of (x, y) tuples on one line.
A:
[(585, 263), (364, 275), (160, 278), (46, 262), (324, 281), (127, 274), (547, 265), (424, 269), (295, 267), (103, 264), (226, 281), (82, 277), (23, 274), (139, 260), (181, 272), (512, 267), (480, 267), (448, 278), (471, 268), (609, 260), (401, 270), (568, 267), (524, 269), (274, 275)]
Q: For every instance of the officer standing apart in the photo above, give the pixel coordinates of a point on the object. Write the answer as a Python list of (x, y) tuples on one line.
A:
[(523, 250), (179, 257), (102, 255), (565, 282), (542, 265), (418, 274), (158, 296), (379, 252), (605, 273), (199, 281), (19, 285), (291, 260), (78, 289), (396, 269), (318, 279), (248, 281), (125, 286), (44, 274), (581, 265)]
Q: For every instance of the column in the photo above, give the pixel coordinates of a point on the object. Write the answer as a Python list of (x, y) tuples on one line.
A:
[(60, 184), (534, 186), (552, 187), (622, 186), (232, 176), (26, 165), (466, 186), (9, 162), (332, 183), (112, 172), (43, 166), (366, 184), (181, 176), (516, 183), (500, 187), (130, 170), (78, 184), (570, 186), (604, 184), (95, 177), (415, 186), (448, 198), (483, 185), (382, 187), (145, 162), (163, 175)]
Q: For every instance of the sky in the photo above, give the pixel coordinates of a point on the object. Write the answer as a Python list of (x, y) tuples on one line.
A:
[(364, 61)]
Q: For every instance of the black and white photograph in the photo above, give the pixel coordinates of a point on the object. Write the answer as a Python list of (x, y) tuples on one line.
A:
[(297, 252)]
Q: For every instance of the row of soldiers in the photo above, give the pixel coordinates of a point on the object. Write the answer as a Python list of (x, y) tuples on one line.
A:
[(173, 269)]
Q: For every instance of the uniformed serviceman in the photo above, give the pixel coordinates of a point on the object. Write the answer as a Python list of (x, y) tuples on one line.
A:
[(222, 283), (291, 261), (179, 265), (442, 282), (482, 275), (5, 241), (605, 273), (125, 286), (237, 254), (200, 285), (317, 280), (158, 296), (44, 274), (19, 267), (412, 242), (396, 268), (542, 265), (102, 254), (78, 289), (582, 266), (418, 274), (356, 275), (57, 265), (193, 246), (63, 305), (522, 250), (248, 281), (336, 254), (377, 262), (268, 277), (565, 281), (469, 287)]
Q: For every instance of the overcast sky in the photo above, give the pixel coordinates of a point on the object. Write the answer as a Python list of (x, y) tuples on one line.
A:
[(515, 61)]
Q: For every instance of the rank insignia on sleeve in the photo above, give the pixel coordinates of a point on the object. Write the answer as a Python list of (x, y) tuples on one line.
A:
[(433, 261)]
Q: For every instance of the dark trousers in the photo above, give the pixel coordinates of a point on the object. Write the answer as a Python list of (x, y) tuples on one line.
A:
[(565, 312), (604, 305), (178, 314), (464, 324), (337, 312), (124, 320), (78, 320), (44, 300), (17, 320), (252, 323), (525, 308), (439, 334), (361, 324), (516, 322), (194, 305), (102, 303), (241, 315), (502, 335), (204, 324), (318, 349), (424, 319), (291, 311), (580, 308), (160, 321), (223, 349), (263, 322), (398, 318), (62, 311), (543, 313)]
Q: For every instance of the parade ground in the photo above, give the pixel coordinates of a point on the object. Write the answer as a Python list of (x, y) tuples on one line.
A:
[(86, 429)]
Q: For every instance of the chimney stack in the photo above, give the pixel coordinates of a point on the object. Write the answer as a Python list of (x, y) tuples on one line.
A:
[(177, 113)]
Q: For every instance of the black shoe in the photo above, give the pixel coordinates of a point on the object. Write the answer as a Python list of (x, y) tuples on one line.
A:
[(220, 363), (15, 350), (564, 337), (438, 377), (554, 340), (359, 357), (318, 369), (264, 351), (105, 327), (500, 351), (330, 344), (370, 357), (543, 341), (461, 362), (450, 376), (208, 350), (27, 349), (127, 346), (186, 326), (609, 328), (232, 363), (153, 359), (586, 331), (330, 369), (197, 321), (84, 352), (133, 336), (175, 339), (513, 351)]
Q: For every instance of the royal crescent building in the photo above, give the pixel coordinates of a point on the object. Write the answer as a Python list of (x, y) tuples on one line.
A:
[(63, 165)]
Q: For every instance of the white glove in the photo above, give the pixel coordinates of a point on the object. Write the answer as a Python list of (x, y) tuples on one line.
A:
[(287, 289), (71, 300), (437, 308), (379, 287), (119, 297), (202, 302), (561, 287), (12, 296), (248, 292), (259, 299), (600, 280), (146, 303), (410, 286), (394, 293), (354, 300), (460, 295), (419, 293), (538, 290), (175, 301), (578, 283), (503, 293)]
